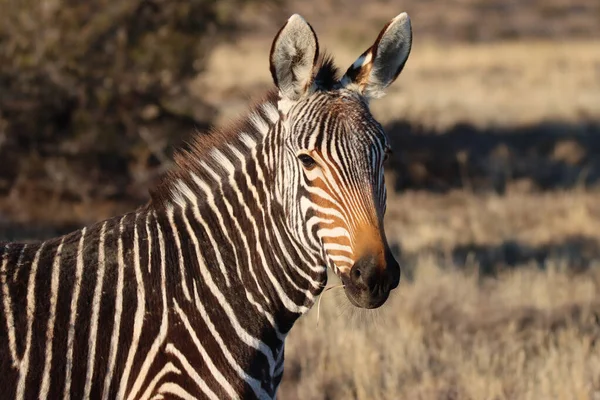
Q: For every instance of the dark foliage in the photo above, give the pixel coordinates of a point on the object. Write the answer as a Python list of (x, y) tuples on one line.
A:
[(94, 94)]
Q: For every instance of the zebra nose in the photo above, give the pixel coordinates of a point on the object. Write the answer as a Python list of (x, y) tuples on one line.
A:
[(374, 281), (363, 274)]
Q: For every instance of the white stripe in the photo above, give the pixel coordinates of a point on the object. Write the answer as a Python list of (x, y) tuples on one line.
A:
[(175, 390), (252, 382), (337, 247), (19, 263), (223, 161), (229, 313), (317, 191), (8, 312), (213, 243), (306, 204), (73, 316), (192, 373), (167, 369), (180, 191), (149, 239), (114, 341), (24, 367), (138, 321), (162, 333), (241, 232), (287, 302), (333, 233), (344, 259), (51, 320), (247, 140), (93, 336)]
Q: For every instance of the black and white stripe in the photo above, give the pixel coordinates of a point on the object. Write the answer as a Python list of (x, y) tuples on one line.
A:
[(103, 312), (193, 295)]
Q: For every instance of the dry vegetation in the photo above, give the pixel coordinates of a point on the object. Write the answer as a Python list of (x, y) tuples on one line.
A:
[(500, 301), (498, 84), (496, 217), (528, 334), (94, 94)]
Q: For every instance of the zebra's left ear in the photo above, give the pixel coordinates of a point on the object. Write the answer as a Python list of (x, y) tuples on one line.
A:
[(381, 64), (293, 58)]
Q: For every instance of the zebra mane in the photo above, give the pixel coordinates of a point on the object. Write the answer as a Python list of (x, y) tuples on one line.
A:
[(230, 138), (328, 75)]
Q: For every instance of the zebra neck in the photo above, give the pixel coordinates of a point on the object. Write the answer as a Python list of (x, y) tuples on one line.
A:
[(229, 233), (228, 229)]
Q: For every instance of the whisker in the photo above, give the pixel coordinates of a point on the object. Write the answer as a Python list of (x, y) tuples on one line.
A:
[(321, 296)]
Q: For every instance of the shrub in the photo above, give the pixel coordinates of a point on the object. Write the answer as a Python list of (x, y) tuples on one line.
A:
[(97, 89)]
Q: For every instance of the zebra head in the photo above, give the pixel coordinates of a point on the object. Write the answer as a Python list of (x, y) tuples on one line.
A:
[(331, 185)]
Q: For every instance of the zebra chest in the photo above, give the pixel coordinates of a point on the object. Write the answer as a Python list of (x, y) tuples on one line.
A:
[(196, 364), (210, 353)]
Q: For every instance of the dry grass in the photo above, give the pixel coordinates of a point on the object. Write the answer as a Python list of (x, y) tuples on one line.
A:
[(502, 84), (420, 221), (529, 334), (526, 79), (452, 332)]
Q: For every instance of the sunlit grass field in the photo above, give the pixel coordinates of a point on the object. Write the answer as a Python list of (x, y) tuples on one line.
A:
[(449, 334)]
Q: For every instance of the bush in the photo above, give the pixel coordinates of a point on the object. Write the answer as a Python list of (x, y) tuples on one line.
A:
[(97, 89)]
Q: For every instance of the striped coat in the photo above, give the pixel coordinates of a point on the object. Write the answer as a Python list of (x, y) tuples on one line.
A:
[(193, 294)]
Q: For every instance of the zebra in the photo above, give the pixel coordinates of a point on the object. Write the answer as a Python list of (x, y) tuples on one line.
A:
[(193, 294)]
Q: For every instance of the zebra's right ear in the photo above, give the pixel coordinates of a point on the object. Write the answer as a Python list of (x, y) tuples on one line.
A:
[(293, 58)]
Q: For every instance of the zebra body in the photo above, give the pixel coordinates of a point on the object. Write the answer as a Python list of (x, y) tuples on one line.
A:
[(193, 295), (107, 309)]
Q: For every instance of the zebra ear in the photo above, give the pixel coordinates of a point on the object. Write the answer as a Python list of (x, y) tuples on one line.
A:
[(381, 64), (293, 58)]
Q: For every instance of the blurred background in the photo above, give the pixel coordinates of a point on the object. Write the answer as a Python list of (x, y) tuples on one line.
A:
[(494, 185)]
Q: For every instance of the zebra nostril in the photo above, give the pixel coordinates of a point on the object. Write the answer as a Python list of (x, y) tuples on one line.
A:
[(357, 277)]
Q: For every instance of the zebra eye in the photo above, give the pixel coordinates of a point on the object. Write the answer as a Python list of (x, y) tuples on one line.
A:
[(307, 161)]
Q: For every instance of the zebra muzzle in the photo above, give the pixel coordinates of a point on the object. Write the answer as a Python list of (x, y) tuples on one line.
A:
[(368, 285)]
